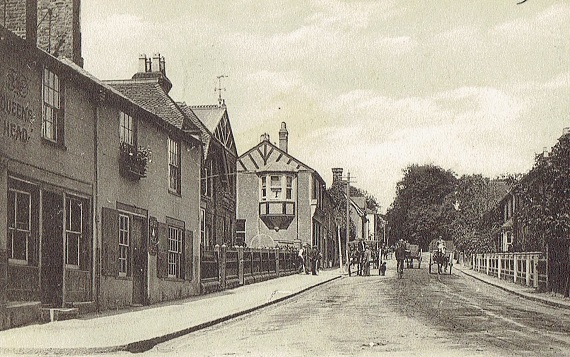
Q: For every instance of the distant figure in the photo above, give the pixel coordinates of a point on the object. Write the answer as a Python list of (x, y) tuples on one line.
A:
[(441, 245), (315, 258), (400, 254), (301, 260), (367, 259)]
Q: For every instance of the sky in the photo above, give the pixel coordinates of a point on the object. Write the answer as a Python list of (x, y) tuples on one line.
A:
[(370, 86)]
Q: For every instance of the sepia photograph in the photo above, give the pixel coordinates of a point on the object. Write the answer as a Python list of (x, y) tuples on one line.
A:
[(285, 178)]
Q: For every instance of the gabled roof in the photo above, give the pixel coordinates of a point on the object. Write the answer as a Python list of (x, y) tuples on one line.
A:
[(209, 115), (216, 119), (149, 94), (204, 132)]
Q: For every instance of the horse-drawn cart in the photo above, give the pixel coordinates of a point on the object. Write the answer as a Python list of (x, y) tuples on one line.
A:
[(413, 252), (442, 258)]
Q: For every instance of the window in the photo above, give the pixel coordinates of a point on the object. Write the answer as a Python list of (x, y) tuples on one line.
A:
[(19, 226), (52, 113), (280, 187), (174, 165), (124, 233), (275, 187), (289, 188), (126, 129), (263, 188), (174, 252), (73, 231)]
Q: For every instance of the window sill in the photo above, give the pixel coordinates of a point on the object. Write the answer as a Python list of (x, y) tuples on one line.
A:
[(55, 144), (17, 262), (71, 266), (123, 277), (175, 193), (173, 279)]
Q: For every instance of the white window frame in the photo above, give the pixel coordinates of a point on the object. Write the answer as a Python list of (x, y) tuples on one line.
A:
[(71, 234), (14, 229), (124, 244), (174, 251), (174, 166), (127, 129), (276, 191), (288, 187), (51, 105)]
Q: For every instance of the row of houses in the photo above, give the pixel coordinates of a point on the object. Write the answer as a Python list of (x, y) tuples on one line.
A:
[(115, 193)]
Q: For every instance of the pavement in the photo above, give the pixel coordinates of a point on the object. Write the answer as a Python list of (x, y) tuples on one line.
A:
[(551, 299), (140, 329)]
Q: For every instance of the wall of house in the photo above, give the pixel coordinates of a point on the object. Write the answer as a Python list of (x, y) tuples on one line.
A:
[(152, 195), (66, 168)]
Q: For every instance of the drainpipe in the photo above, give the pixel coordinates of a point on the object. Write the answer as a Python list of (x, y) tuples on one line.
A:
[(95, 244)]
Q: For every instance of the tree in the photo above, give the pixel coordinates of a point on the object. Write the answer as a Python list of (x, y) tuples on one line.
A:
[(544, 197), (418, 211)]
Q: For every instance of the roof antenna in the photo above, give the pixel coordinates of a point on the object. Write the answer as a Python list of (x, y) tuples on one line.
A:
[(221, 102)]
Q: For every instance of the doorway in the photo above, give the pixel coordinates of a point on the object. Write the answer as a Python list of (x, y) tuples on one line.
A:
[(140, 260), (52, 249)]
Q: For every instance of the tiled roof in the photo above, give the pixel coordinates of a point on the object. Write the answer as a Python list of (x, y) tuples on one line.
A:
[(149, 94), (205, 134)]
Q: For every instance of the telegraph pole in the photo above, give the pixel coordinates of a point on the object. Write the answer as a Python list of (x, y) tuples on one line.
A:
[(347, 215)]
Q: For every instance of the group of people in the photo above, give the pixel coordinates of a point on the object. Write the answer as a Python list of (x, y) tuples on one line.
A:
[(362, 258), (309, 260)]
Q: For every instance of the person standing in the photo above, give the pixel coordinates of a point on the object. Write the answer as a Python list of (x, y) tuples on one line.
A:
[(367, 260), (301, 260), (400, 254)]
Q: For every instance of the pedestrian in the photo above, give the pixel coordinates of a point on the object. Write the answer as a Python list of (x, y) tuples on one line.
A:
[(367, 259), (315, 257), (301, 260), (307, 259), (400, 254)]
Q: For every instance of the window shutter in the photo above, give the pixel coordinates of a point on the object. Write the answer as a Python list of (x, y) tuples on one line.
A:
[(188, 253), (162, 254), (110, 241)]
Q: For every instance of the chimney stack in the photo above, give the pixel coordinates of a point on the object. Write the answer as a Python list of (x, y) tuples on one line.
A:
[(283, 137), (337, 174), (566, 131), (545, 151), (32, 21), (143, 61)]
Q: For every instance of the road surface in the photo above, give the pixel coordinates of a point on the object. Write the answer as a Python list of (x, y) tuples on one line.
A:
[(420, 315)]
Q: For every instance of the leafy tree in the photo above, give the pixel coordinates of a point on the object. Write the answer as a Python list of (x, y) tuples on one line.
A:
[(418, 211), (544, 197)]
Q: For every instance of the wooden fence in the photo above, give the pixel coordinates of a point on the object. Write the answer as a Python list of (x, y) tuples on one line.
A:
[(225, 267)]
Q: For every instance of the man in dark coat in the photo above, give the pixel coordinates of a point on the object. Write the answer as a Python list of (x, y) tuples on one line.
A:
[(400, 254)]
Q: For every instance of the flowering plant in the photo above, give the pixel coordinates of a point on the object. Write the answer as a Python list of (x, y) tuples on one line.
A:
[(134, 160)]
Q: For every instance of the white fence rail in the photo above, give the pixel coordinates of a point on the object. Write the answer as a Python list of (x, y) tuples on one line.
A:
[(520, 268)]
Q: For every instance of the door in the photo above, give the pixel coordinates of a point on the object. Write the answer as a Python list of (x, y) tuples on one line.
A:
[(140, 257), (52, 249)]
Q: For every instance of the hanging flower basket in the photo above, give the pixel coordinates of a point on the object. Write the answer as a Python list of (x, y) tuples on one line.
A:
[(133, 162)]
